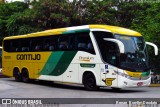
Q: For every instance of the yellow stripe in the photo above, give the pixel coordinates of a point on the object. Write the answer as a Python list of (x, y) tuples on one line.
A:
[(85, 60), (113, 29), (116, 29), (133, 74), (43, 33)]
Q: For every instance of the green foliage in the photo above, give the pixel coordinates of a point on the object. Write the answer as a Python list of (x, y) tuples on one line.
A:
[(6, 10), (12, 25), (52, 14), (2, 29), (16, 18), (27, 29), (147, 22), (102, 12), (7, 16)]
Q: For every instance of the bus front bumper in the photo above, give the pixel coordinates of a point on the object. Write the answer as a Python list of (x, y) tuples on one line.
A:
[(125, 82)]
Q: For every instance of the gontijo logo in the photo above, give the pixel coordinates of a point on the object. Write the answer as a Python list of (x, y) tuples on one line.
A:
[(28, 56), (109, 81)]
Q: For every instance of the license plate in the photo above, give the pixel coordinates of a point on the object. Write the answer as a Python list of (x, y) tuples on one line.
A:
[(139, 83)]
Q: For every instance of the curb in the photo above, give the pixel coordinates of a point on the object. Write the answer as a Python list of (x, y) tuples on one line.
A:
[(154, 85)]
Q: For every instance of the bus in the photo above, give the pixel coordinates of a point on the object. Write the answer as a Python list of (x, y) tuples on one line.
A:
[(92, 55), (0, 59)]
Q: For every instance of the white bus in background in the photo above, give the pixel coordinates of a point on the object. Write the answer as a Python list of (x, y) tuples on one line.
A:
[(0, 59)]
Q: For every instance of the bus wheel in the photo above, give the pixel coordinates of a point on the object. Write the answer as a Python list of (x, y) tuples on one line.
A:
[(17, 75), (89, 82), (25, 76)]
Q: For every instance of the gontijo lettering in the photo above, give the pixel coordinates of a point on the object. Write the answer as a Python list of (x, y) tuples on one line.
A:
[(28, 56)]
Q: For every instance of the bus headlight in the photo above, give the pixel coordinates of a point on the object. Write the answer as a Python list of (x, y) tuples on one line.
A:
[(122, 74)]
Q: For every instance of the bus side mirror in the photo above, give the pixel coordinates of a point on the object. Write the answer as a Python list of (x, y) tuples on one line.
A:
[(118, 42), (155, 47)]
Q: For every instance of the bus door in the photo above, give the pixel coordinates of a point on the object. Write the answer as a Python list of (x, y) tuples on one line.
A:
[(108, 75)]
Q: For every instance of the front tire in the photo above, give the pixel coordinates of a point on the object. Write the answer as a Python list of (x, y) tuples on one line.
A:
[(89, 82)]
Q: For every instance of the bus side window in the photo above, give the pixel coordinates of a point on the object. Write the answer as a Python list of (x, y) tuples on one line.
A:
[(63, 45), (38, 48), (46, 46), (63, 42), (84, 42), (51, 48), (14, 45), (72, 42), (108, 49), (90, 46), (25, 49), (24, 45), (81, 46), (18, 47), (6, 46), (38, 43)]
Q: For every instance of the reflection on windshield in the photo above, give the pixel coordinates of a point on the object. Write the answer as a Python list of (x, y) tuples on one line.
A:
[(135, 57)]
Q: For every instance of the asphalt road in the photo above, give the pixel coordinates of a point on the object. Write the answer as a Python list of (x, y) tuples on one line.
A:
[(38, 89)]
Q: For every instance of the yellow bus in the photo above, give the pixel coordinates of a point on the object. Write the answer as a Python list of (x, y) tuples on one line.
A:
[(92, 55)]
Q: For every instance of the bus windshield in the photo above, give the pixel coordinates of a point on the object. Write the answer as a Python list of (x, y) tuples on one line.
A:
[(135, 57)]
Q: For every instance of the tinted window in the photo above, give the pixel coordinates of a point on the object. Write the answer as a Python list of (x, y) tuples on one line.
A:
[(66, 42), (108, 49), (84, 43)]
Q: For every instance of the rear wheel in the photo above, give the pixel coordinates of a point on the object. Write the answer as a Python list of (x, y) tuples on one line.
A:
[(89, 82), (25, 76), (17, 75)]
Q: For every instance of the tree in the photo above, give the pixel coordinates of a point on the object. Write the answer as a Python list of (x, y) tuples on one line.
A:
[(2, 1), (16, 18), (6, 12), (147, 22)]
